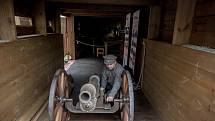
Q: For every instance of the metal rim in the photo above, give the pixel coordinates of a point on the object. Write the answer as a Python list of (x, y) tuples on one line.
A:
[(59, 89), (127, 112)]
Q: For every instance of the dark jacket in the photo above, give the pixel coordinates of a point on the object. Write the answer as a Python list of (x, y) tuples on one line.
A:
[(113, 77)]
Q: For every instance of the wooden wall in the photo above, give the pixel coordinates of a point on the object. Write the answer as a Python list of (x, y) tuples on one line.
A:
[(180, 82), (27, 67), (203, 32), (168, 12), (20, 30)]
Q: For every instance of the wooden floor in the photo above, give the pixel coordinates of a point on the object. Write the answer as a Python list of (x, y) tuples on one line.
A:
[(80, 71)]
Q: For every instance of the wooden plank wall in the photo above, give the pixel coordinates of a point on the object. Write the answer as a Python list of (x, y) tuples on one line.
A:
[(183, 21), (20, 30), (168, 13), (203, 32), (27, 67), (180, 82), (7, 20)]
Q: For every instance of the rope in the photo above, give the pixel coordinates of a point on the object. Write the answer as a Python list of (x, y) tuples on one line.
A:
[(89, 44), (94, 45), (138, 86)]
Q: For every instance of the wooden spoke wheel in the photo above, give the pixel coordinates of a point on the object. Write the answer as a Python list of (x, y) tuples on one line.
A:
[(127, 108), (58, 91)]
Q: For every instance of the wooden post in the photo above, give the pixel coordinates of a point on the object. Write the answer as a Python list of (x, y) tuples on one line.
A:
[(7, 21), (71, 36), (40, 17), (183, 21), (106, 48), (57, 22), (154, 22)]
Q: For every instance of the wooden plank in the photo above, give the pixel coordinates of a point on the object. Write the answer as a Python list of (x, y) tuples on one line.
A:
[(24, 30), (183, 22), (203, 31), (166, 36), (167, 20), (28, 66), (179, 82), (167, 25), (204, 24), (203, 39), (40, 17), (205, 8), (178, 93), (39, 113), (111, 2), (71, 36), (7, 21), (33, 112), (154, 22), (57, 22)]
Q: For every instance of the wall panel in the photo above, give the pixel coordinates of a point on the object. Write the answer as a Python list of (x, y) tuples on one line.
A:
[(203, 31), (179, 82), (26, 69), (168, 13)]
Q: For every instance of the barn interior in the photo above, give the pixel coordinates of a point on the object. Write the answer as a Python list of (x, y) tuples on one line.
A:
[(167, 45)]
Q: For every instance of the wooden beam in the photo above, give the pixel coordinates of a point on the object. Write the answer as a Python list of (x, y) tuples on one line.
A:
[(40, 17), (27, 68), (110, 2), (183, 21), (99, 9), (7, 21), (203, 30), (79, 8), (179, 86), (154, 22), (98, 14), (71, 36), (57, 22), (95, 12)]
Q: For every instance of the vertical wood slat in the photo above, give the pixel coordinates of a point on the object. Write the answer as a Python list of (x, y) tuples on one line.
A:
[(203, 30), (154, 22), (58, 22), (40, 17), (27, 67), (167, 20), (183, 21), (71, 36), (7, 21), (179, 82)]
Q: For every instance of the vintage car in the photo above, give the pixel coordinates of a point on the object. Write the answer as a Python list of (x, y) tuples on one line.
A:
[(91, 99)]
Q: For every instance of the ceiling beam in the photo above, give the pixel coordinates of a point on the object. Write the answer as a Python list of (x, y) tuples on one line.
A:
[(98, 14), (111, 2), (85, 12), (93, 9), (93, 6)]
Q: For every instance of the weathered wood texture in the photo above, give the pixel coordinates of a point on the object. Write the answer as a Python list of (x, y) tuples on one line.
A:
[(203, 32), (179, 82), (7, 21), (110, 2), (53, 17), (57, 22), (168, 13), (39, 17), (27, 67), (70, 36), (154, 22), (183, 21), (25, 30), (24, 9)]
